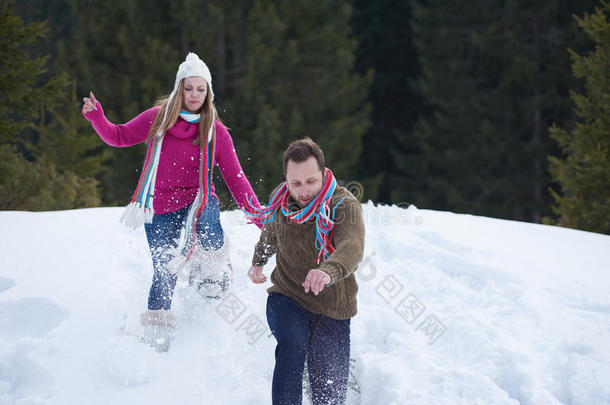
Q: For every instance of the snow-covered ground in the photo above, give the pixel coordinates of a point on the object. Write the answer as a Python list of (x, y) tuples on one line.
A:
[(453, 309)]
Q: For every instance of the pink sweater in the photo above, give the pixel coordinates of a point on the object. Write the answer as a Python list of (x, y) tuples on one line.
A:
[(178, 173)]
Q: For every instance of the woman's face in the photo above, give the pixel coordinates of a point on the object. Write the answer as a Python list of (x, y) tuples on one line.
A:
[(194, 93)]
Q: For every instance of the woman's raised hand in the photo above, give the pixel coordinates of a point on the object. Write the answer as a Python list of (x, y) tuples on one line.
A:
[(89, 103)]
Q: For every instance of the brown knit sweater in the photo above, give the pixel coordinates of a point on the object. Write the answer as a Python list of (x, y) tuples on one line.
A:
[(294, 246)]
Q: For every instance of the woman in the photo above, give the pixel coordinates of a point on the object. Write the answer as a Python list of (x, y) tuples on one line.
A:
[(185, 140)]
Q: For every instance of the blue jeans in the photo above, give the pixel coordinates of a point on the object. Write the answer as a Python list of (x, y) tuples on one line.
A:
[(300, 335), (163, 234)]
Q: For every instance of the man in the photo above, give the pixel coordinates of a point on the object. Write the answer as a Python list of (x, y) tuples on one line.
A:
[(315, 228)]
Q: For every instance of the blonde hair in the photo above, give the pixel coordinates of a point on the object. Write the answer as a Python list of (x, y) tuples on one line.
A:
[(208, 112)]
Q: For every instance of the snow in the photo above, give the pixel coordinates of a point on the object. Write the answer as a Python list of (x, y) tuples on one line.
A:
[(453, 309)]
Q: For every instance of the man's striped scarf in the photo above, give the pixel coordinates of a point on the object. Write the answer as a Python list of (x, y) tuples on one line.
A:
[(140, 209), (318, 209)]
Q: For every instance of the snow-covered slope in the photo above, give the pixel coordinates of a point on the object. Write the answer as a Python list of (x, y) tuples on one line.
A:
[(453, 309)]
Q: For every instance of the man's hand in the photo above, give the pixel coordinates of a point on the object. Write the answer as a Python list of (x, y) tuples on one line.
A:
[(315, 281), (256, 274)]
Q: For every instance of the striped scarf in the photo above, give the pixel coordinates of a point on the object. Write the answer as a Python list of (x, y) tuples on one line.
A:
[(318, 209), (190, 117), (140, 209)]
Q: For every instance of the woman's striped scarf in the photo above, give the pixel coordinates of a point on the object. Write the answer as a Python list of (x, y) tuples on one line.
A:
[(140, 209), (318, 209)]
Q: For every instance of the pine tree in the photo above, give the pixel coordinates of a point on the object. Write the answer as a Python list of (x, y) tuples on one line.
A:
[(459, 81), (123, 52), (66, 140), (299, 80), (494, 75), (584, 171), (29, 179), (385, 46), (20, 94)]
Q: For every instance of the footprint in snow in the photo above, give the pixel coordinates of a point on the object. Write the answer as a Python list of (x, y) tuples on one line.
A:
[(29, 317)]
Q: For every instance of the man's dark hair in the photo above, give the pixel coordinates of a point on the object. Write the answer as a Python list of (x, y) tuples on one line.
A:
[(299, 151)]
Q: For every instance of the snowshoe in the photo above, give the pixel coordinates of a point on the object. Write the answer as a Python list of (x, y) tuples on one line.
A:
[(211, 273), (159, 326), (212, 287)]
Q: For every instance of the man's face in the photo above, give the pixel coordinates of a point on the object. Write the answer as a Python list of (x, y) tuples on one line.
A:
[(304, 180)]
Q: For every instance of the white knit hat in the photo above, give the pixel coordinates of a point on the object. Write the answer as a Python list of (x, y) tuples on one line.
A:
[(192, 66)]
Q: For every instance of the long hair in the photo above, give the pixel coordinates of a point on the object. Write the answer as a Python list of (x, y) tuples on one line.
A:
[(208, 112)]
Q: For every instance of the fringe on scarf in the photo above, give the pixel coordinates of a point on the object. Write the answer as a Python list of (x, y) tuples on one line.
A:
[(135, 215)]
